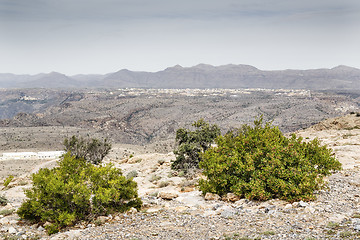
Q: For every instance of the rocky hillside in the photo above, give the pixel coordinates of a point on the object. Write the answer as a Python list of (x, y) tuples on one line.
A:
[(175, 209), (43, 118)]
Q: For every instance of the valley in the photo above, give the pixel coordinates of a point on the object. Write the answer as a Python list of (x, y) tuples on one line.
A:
[(40, 118)]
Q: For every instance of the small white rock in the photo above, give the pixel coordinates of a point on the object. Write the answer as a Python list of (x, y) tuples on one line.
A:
[(12, 222), (133, 210), (12, 230), (309, 209), (288, 206), (357, 227), (303, 204), (40, 228), (4, 221)]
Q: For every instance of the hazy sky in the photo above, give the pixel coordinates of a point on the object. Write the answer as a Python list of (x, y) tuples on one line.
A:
[(101, 36)]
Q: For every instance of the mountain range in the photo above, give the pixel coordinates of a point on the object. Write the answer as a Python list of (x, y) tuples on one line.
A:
[(199, 76)]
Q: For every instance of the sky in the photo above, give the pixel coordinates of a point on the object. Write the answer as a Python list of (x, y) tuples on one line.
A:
[(102, 36)]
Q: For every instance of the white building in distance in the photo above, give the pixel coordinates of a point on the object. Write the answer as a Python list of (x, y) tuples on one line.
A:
[(31, 155)]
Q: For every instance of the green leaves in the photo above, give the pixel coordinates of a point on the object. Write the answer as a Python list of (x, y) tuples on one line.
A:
[(92, 150), (190, 144), (261, 163), (77, 190)]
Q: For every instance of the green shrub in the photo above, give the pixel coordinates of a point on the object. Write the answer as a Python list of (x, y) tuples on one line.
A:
[(3, 200), (154, 178), (345, 234), (132, 174), (77, 190), (163, 184), (6, 212), (260, 163), (8, 180), (190, 144), (92, 150)]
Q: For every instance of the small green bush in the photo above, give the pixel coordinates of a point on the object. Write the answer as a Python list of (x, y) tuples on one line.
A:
[(77, 190), (163, 184), (154, 178), (92, 150), (190, 144), (345, 234), (8, 180), (6, 212), (132, 174), (261, 163), (3, 200)]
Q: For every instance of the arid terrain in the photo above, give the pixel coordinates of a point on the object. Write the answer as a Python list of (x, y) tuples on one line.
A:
[(141, 125), (40, 119), (174, 208)]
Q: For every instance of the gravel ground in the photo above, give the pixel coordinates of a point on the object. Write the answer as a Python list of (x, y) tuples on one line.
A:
[(332, 216)]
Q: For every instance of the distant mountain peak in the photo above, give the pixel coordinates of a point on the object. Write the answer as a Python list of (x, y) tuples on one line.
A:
[(176, 67), (55, 74), (204, 66), (345, 68)]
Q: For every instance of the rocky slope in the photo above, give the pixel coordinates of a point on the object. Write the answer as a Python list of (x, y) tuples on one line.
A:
[(175, 209), (43, 118)]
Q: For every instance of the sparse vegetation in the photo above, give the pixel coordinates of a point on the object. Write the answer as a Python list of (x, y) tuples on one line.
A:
[(181, 174), (163, 184), (260, 163), (171, 174), (3, 200), (8, 180), (345, 234), (268, 233), (188, 183), (22, 183), (92, 150), (154, 178), (333, 225), (77, 190), (6, 212), (190, 144), (154, 194), (132, 174)]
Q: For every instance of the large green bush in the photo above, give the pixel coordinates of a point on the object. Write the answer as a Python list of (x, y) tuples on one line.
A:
[(77, 190), (260, 163), (191, 143)]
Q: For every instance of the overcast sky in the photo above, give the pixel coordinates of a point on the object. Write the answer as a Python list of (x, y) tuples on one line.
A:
[(101, 36)]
